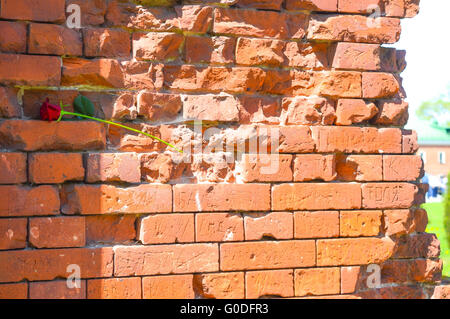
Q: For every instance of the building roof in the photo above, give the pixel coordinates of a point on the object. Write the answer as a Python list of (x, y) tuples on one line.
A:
[(431, 133)]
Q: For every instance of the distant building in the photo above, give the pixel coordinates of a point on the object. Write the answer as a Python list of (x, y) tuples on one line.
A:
[(434, 148)]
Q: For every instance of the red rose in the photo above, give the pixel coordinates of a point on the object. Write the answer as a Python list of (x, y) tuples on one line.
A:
[(49, 111)]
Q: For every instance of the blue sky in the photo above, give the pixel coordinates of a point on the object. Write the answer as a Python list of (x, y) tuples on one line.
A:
[(426, 40)]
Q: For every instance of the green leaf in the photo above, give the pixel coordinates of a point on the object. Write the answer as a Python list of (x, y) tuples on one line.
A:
[(83, 105)]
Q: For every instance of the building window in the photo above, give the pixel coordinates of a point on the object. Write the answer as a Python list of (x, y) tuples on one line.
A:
[(423, 155), (441, 157)]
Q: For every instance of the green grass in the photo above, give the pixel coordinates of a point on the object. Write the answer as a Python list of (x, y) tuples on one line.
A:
[(436, 226)]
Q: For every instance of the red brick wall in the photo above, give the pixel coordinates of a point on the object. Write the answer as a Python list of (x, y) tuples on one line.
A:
[(309, 79), (432, 163)]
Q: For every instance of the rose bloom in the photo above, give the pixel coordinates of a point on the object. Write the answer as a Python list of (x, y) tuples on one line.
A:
[(50, 112)]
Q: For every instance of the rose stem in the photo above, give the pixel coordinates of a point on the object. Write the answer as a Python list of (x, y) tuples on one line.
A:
[(122, 126)]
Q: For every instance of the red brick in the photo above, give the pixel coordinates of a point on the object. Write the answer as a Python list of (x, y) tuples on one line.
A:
[(33, 99), (307, 111), (316, 224), (357, 139), (196, 19), (277, 225), (402, 167), (388, 195), (223, 108), (392, 112), (391, 60), (420, 219), (349, 279), (359, 6), (48, 264), (103, 102), (426, 270), (411, 8), (219, 227), (30, 70), (13, 233), (14, 291), (228, 285), (359, 167), (13, 37), (214, 79), (291, 139), (353, 251), (106, 43), (45, 10), (260, 4), (107, 199), (354, 111), (221, 197), (379, 85), (208, 167), (192, 18), (307, 55), (409, 142), (403, 221), (161, 168), (29, 201), (419, 270), (168, 287), (114, 288), (317, 281), (54, 39), (396, 271), (214, 50), (97, 72), (126, 141), (259, 52), (265, 168), (345, 84), (305, 196), (290, 82), (93, 11), (314, 167), (13, 168), (312, 5), (157, 106), (269, 283), (157, 46), (441, 292), (419, 245), (55, 168), (110, 229), (113, 167), (9, 104), (267, 255), (70, 136), (360, 223), (166, 228), (57, 232), (353, 28), (255, 109), (57, 289), (357, 56), (165, 259), (124, 107), (260, 23)]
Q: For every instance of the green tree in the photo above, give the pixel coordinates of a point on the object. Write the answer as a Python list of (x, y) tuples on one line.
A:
[(437, 110)]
